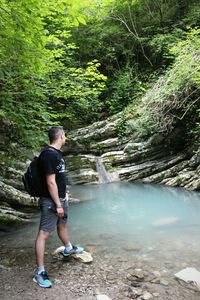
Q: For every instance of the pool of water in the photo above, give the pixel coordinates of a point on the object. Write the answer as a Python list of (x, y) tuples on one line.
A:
[(119, 214), (124, 216)]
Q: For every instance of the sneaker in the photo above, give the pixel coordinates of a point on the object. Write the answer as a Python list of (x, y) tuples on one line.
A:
[(74, 250), (42, 280)]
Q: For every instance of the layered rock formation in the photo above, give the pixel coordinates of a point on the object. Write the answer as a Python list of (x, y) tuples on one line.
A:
[(97, 154), (14, 202)]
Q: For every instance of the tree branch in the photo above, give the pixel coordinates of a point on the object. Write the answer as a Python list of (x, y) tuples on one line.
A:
[(135, 33)]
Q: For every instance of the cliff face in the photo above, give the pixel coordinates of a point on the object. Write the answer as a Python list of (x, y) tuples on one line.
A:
[(97, 154)]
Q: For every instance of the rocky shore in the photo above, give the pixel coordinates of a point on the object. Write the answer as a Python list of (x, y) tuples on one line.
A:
[(141, 273)]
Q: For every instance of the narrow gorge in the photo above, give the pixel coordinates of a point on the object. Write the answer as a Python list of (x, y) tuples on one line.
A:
[(98, 154)]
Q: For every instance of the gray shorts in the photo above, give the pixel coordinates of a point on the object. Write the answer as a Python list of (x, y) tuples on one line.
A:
[(49, 220)]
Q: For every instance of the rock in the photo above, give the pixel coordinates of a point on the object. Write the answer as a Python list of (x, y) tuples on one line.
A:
[(165, 221), (129, 158), (84, 257), (133, 247), (9, 217), (189, 275), (147, 296), (15, 197), (82, 169), (155, 294), (134, 293), (106, 145), (83, 139), (16, 183), (155, 280), (133, 147), (164, 282), (156, 273), (10, 220), (136, 277), (102, 297)]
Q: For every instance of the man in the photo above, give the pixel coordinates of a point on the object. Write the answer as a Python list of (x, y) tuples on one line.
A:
[(53, 203)]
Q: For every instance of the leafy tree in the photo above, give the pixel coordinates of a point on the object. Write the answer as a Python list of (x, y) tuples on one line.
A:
[(24, 64), (133, 38), (36, 65), (72, 62)]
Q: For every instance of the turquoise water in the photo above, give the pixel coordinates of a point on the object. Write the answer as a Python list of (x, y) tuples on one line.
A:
[(124, 213)]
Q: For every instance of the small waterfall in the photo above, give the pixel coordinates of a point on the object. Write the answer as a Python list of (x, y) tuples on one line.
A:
[(103, 176)]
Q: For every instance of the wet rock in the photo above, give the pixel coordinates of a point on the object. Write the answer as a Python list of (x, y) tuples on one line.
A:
[(165, 221), (133, 247)]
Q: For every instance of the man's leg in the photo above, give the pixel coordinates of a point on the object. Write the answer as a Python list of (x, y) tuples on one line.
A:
[(40, 247), (64, 237), (63, 233), (41, 277)]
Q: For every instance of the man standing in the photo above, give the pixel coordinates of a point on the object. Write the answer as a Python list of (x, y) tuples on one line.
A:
[(53, 203)]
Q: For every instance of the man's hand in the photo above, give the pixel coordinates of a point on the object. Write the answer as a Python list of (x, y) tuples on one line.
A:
[(60, 212), (53, 191)]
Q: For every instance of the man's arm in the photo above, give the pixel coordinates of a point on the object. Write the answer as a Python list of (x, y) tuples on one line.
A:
[(53, 191)]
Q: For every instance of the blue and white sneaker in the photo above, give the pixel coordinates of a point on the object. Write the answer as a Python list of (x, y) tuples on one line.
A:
[(42, 280), (74, 250)]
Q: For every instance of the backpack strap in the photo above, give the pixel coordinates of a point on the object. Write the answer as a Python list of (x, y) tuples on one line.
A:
[(47, 149)]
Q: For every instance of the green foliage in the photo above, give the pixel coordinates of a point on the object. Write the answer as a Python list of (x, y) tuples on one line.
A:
[(175, 97), (126, 88), (132, 42), (77, 99), (73, 62), (23, 66), (37, 64)]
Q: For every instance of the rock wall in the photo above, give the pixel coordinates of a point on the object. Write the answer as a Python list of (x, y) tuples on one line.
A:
[(14, 203), (157, 159)]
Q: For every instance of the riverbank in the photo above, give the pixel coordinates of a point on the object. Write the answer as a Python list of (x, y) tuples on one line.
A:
[(141, 273)]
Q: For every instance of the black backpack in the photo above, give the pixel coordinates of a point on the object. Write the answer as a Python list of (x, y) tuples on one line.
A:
[(34, 181)]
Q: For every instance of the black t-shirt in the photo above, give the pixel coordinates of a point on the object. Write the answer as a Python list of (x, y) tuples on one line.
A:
[(52, 162)]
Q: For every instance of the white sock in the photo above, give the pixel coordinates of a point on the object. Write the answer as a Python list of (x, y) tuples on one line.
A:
[(69, 247), (40, 269)]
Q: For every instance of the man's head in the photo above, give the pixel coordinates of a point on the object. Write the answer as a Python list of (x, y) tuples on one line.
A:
[(56, 135)]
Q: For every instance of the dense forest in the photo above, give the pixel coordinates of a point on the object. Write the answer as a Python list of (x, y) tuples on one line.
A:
[(74, 62)]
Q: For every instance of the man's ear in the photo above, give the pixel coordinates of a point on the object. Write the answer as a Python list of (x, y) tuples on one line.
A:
[(62, 135)]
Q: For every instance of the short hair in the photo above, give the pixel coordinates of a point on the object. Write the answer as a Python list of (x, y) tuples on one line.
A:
[(54, 133)]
